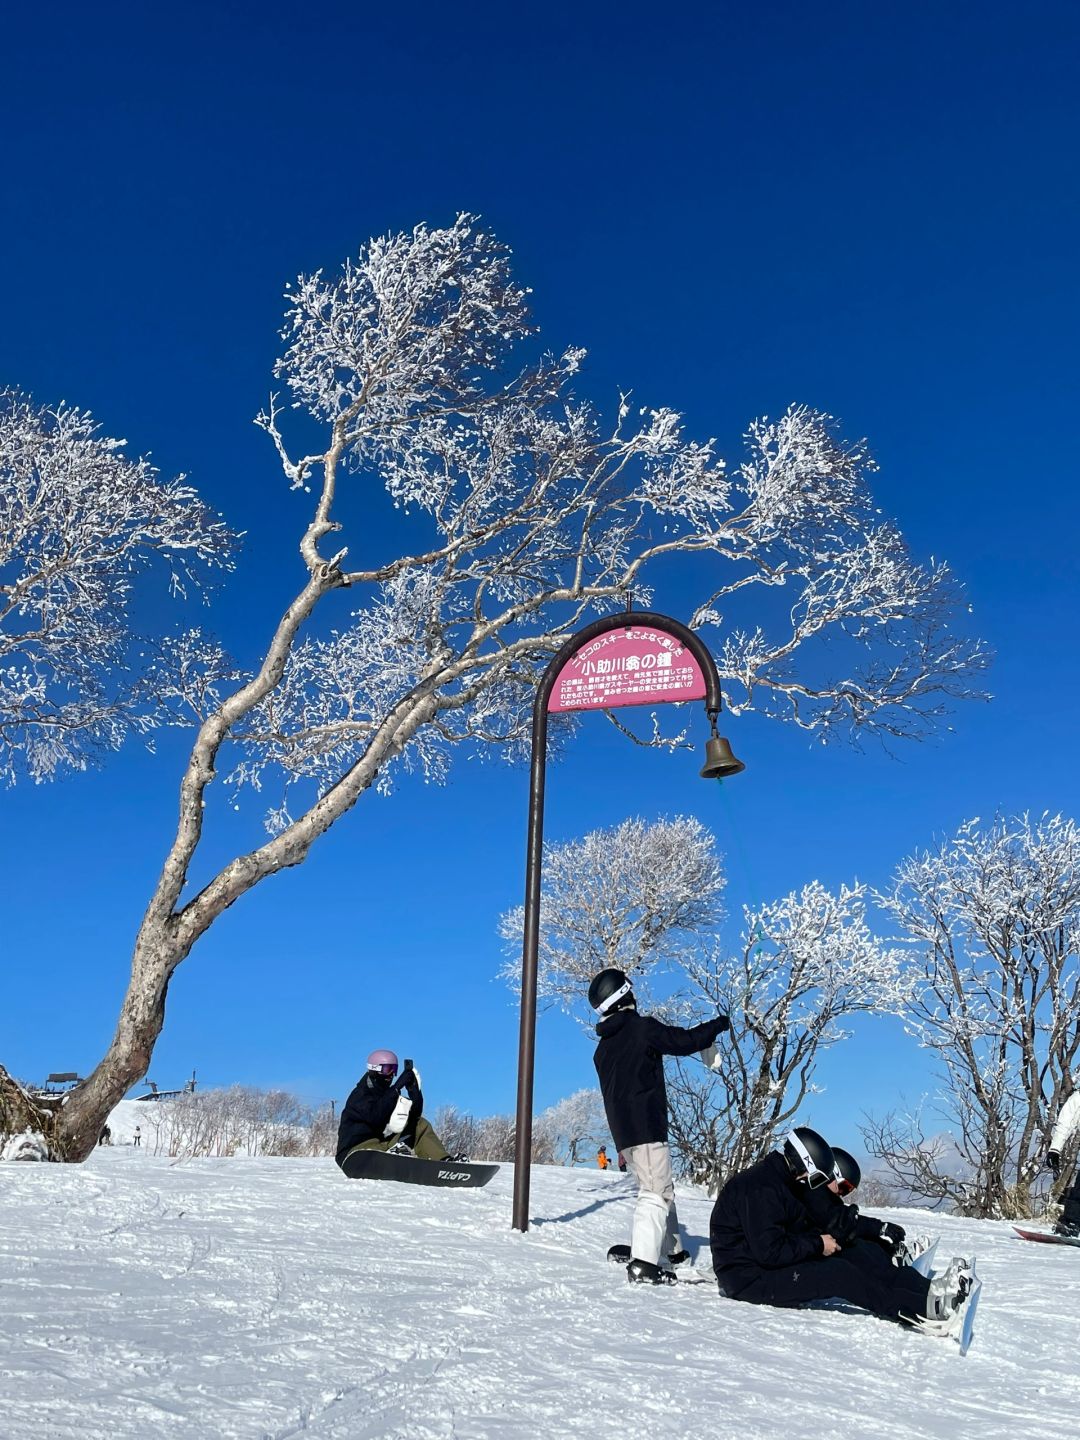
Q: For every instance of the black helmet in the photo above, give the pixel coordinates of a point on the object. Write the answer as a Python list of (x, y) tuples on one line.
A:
[(809, 1155), (610, 990), (846, 1172)]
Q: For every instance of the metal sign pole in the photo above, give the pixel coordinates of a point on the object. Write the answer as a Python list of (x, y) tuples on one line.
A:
[(529, 955), (621, 690)]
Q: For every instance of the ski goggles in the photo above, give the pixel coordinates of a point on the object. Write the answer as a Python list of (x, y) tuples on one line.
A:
[(843, 1184), (815, 1177), (386, 1068), (616, 995)]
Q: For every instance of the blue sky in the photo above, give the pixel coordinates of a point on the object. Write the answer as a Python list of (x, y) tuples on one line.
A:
[(872, 210)]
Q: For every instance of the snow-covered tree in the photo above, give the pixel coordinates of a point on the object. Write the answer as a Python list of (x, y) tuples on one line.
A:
[(995, 916), (523, 514), (646, 897), (574, 1124), (633, 895), (80, 525), (807, 964)]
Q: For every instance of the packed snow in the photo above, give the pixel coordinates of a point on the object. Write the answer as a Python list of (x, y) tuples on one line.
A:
[(265, 1298)]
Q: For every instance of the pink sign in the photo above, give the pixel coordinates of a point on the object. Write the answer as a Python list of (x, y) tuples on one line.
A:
[(633, 665)]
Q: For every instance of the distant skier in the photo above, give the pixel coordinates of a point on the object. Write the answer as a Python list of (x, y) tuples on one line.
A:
[(768, 1249), (629, 1062), (136, 1139), (105, 1138), (385, 1114), (602, 1158), (1068, 1123)]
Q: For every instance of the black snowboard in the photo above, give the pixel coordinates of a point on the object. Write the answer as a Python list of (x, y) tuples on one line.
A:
[(1044, 1237), (620, 1255), (450, 1174)]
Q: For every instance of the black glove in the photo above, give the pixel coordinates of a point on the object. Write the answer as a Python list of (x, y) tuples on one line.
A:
[(892, 1236), (407, 1081), (1053, 1163), (722, 1023)]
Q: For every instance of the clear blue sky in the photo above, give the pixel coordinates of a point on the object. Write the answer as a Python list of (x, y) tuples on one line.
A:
[(871, 209)]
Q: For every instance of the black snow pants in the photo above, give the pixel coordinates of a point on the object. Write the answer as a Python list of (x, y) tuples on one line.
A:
[(1070, 1201), (862, 1274)]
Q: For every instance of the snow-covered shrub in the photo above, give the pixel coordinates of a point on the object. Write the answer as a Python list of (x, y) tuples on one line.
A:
[(237, 1121), (491, 1137)]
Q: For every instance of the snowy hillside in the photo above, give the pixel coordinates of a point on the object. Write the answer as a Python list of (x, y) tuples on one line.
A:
[(270, 1298), (131, 1113)]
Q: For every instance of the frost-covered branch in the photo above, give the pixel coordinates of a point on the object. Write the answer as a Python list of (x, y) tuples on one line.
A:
[(808, 963), (636, 896), (994, 915), (81, 524)]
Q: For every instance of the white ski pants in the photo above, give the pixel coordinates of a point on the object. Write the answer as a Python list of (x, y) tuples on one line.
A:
[(656, 1224)]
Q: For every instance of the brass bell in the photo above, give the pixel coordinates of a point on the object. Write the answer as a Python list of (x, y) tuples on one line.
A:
[(719, 761)]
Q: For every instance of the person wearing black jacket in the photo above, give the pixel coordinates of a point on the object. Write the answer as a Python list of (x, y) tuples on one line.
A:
[(629, 1061), (768, 1248), (843, 1219), (382, 1113)]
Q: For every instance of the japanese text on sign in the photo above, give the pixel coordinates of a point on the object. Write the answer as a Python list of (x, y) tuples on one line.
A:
[(638, 665)]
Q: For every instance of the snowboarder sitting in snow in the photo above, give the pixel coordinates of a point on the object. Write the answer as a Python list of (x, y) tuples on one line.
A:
[(1068, 1123), (629, 1061), (768, 1249), (385, 1114), (845, 1222)]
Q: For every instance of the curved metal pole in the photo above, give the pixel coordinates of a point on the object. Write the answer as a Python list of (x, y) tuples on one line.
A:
[(530, 945), (529, 954)]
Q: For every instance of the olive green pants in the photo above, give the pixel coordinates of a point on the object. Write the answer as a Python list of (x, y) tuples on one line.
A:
[(426, 1145)]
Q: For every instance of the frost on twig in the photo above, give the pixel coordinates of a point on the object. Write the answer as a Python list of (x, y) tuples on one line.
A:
[(636, 896), (80, 524), (808, 963), (993, 919)]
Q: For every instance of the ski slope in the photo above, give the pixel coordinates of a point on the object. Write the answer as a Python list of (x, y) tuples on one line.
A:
[(260, 1299)]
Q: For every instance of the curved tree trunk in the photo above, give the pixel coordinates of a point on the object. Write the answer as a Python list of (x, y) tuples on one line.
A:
[(77, 1125)]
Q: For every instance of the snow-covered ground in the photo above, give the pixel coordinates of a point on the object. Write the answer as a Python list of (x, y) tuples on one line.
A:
[(142, 1297)]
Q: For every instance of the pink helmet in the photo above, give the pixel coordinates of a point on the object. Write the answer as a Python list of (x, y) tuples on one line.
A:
[(383, 1062)]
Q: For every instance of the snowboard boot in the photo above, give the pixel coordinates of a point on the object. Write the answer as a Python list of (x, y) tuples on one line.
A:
[(1066, 1228), (644, 1272), (908, 1251), (949, 1290), (459, 1159), (400, 1148)]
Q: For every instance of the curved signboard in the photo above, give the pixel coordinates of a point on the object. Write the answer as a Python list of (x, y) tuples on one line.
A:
[(632, 665)]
